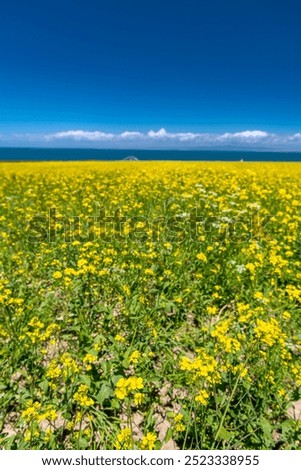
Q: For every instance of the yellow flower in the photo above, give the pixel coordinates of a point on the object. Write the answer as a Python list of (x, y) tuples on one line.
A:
[(202, 366), (212, 310), (180, 427), (178, 417), (119, 338), (90, 358), (32, 411), (120, 390), (286, 315), (138, 398), (258, 295), (81, 396), (155, 333), (48, 414), (48, 434), (126, 386), (134, 357), (148, 441), (268, 332), (124, 439), (202, 397), (202, 257), (149, 271), (53, 371), (135, 383), (121, 393), (231, 345), (28, 435), (57, 275)]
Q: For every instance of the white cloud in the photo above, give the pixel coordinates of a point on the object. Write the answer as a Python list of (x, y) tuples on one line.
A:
[(181, 136), (245, 135), (252, 134), (81, 135), (162, 138), (190, 136), (162, 133), (295, 137), (130, 135), (249, 136)]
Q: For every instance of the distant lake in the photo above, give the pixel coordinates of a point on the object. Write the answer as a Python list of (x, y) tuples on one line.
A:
[(47, 154)]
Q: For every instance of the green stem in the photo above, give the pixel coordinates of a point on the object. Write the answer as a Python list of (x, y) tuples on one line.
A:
[(226, 411), (188, 427)]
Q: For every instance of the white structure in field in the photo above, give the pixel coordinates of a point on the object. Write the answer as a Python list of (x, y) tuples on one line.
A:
[(131, 158)]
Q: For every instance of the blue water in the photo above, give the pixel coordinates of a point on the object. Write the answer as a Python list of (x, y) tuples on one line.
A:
[(46, 154)]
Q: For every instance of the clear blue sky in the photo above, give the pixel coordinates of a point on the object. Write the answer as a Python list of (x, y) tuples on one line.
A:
[(209, 72)]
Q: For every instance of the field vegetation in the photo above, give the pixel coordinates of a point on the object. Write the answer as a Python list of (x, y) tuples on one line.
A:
[(150, 305)]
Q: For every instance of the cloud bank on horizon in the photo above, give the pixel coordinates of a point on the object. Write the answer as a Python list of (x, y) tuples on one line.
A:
[(248, 139)]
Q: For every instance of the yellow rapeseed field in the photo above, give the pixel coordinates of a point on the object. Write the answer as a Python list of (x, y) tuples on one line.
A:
[(150, 305)]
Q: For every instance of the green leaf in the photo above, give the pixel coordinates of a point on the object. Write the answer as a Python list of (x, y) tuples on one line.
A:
[(286, 427), (105, 392), (44, 386), (223, 434), (115, 404), (267, 431), (86, 380), (3, 386), (209, 420), (168, 435)]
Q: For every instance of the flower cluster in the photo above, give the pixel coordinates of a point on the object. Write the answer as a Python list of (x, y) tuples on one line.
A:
[(130, 386)]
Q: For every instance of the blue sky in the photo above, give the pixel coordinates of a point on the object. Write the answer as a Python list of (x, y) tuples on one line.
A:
[(159, 74)]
